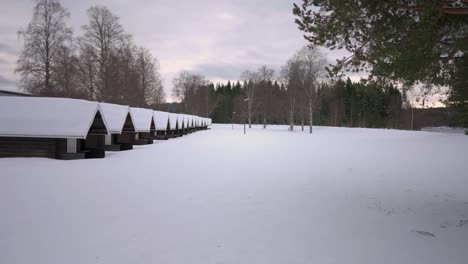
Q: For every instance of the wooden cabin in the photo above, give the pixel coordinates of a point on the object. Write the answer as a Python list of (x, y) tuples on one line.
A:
[(180, 125), (58, 128), (184, 119), (196, 123), (161, 121), (119, 122), (144, 126), (189, 123), (173, 126)]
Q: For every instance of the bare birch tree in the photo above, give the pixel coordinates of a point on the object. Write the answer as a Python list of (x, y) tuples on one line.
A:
[(250, 79), (44, 36), (66, 69), (291, 79), (313, 66), (149, 78), (102, 34)]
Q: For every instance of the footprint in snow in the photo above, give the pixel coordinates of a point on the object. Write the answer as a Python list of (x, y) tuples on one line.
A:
[(424, 233), (462, 223)]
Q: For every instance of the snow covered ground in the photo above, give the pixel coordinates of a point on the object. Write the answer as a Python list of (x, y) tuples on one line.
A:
[(271, 196)]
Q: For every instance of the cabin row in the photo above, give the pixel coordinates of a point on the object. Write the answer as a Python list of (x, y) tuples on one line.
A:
[(63, 128)]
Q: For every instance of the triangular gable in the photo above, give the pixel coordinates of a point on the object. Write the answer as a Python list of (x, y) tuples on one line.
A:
[(128, 125), (98, 127), (152, 127)]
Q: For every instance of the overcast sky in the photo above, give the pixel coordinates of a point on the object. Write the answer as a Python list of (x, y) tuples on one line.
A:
[(216, 38)]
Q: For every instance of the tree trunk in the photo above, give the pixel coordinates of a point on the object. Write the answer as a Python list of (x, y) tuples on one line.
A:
[(311, 115), (291, 119), (412, 118), (302, 120), (250, 115)]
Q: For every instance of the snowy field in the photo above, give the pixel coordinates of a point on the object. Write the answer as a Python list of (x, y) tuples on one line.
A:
[(269, 197)]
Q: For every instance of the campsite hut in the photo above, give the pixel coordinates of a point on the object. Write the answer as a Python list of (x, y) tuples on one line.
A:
[(119, 122), (143, 123), (203, 125), (161, 121), (173, 126), (51, 127), (180, 124), (189, 123), (199, 119), (185, 125)]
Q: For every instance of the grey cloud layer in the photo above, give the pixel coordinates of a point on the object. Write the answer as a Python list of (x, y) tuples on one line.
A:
[(216, 38)]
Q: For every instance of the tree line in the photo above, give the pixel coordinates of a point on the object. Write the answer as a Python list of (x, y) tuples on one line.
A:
[(299, 94), (102, 64)]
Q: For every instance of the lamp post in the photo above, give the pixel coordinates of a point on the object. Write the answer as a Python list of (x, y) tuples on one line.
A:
[(247, 101), (232, 121)]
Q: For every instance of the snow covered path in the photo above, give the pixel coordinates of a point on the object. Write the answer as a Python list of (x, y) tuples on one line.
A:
[(269, 197)]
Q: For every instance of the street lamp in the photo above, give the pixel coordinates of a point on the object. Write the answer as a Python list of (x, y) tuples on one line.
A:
[(246, 100)]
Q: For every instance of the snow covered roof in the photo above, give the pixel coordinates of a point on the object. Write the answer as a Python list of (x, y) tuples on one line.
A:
[(115, 116), (141, 118), (160, 120), (186, 121), (189, 120), (172, 121), (180, 120), (48, 117)]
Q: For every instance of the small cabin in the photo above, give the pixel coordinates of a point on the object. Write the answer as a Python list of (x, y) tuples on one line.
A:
[(161, 121), (180, 124), (118, 122), (196, 123), (143, 123), (58, 128), (173, 126), (184, 124), (189, 123)]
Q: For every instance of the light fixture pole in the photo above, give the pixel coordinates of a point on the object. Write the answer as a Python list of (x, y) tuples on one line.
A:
[(232, 120), (247, 101)]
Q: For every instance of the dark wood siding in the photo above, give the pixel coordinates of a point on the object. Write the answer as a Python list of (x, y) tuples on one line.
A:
[(28, 147)]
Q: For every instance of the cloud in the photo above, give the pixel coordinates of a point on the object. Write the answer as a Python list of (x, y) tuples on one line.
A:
[(5, 81), (5, 48), (7, 84), (216, 38)]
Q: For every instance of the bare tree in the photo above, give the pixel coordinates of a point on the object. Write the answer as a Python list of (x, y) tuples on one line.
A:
[(185, 86), (313, 66), (250, 79), (290, 77), (264, 78), (149, 77), (87, 71), (101, 35), (45, 35), (66, 69)]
